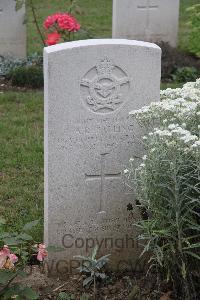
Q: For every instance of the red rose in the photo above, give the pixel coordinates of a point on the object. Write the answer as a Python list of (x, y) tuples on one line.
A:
[(68, 22), (59, 22), (52, 38), (51, 20)]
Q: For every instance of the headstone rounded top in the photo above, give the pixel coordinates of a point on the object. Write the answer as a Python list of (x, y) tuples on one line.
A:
[(90, 88), (98, 42)]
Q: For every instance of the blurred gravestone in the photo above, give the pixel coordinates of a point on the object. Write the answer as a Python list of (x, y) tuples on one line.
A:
[(90, 88), (12, 30), (146, 20)]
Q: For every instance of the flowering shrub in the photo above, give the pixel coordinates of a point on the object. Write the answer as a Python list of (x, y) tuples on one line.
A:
[(168, 186), (60, 25), (16, 249)]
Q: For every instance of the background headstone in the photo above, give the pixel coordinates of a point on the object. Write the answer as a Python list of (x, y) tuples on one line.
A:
[(12, 30), (146, 20), (90, 88)]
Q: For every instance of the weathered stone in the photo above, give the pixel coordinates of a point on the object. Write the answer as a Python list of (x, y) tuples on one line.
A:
[(146, 20), (90, 88), (12, 30)]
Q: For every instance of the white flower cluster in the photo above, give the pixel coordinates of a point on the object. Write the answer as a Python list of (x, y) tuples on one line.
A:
[(175, 121), (190, 91), (176, 133), (180, 106)]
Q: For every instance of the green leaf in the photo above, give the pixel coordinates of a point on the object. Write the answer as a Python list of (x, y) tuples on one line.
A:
[(65, 296), (193, 254), (192, 246), (2, 221), (4, 234), (25, 237), (94, 252), (11, 241), (29, 294), (84, 297), (87, 281), (6, 276), (30, 225), (12, 291), (20, 292)]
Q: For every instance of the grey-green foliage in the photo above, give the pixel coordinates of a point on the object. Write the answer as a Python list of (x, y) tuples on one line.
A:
[(91, 266), (168, 188), (8, 64), (65, 296)]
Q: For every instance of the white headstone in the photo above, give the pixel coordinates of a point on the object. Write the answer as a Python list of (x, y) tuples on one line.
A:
[(12, 29), (90, 88), (147, 20)]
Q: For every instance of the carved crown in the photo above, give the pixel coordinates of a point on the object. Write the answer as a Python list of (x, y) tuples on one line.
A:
[(105, 67)]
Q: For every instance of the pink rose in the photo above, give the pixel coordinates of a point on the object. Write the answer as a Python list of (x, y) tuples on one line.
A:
[(7, 259), (42, 252), (13, 258)]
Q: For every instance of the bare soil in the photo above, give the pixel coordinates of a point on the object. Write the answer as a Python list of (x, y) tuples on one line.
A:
[(122, 287)]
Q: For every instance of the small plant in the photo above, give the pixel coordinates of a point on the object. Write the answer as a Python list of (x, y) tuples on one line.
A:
[(27, 76), (185, 74), (16, 249), (65, 296), (91, 266), (194, 22)]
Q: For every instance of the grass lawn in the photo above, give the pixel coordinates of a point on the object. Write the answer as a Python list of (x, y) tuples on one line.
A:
[(21, 158), (21, 126)]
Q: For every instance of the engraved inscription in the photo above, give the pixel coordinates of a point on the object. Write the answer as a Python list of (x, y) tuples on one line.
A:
[(104, 88), (106, 133), (122, 225), (148, 5), (102, 177)]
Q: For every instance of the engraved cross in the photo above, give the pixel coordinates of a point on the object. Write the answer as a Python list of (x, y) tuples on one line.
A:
[(147, 8), (102, 177)]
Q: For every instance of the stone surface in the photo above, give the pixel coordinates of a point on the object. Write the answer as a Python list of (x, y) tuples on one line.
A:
[(90, 88), (147, 20), (12, 30)]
